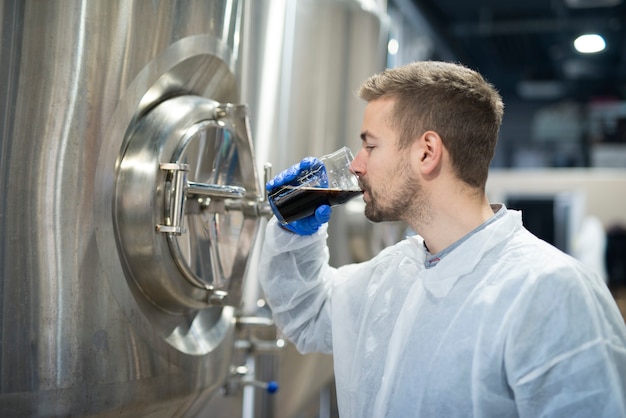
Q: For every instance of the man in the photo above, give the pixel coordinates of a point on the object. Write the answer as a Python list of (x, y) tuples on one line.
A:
[(473, 316)]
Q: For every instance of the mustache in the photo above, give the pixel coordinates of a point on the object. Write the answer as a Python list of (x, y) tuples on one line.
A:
[(363, 184)]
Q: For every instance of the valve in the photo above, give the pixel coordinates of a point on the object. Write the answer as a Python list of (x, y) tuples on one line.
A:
[(251, 346), (242, 376), (243, 372), (270, 387)]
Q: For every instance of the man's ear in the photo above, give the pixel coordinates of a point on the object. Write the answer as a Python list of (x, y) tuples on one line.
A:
[(429, 148)]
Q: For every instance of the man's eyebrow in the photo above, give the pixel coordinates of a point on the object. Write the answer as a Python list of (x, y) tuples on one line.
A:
[(365, 135)]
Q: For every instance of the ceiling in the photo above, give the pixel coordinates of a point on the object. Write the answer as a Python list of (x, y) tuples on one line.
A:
[(524, 47)]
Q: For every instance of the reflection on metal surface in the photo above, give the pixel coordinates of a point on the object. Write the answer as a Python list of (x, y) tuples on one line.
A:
[(306, 58), (78, 339)]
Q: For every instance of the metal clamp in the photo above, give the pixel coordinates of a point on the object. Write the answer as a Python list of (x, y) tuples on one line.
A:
[(181, 188), (262, 208), (174, 223)]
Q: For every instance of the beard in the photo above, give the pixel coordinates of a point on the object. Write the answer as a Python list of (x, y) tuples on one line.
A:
[(401, 201)]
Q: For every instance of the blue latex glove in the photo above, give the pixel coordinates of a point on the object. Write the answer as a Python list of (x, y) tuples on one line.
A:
[(290, 175), (312, 223)]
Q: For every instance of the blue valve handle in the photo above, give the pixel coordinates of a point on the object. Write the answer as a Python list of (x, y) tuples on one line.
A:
[(270, 387)]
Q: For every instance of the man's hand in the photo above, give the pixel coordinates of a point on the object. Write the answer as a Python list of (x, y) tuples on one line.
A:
[(310, 224)]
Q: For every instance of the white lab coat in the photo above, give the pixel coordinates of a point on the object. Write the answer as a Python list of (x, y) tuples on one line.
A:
[(504, 325)]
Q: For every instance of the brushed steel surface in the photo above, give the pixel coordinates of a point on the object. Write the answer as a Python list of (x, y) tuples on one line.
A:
[(77, 340), (302, 63), (75, 75)]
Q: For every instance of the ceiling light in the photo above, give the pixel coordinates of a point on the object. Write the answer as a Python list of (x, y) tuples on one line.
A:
[(393, 46), (589, 43)]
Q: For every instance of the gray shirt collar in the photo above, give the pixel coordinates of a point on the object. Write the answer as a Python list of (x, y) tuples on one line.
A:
[(432, 259)]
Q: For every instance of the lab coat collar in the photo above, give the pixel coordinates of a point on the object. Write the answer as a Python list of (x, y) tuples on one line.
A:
[(462, 257)]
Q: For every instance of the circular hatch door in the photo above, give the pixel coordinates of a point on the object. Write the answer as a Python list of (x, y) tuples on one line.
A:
[(185, 206)]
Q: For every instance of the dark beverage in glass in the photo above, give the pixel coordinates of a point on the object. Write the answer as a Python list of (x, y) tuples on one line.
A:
[(294, 203)]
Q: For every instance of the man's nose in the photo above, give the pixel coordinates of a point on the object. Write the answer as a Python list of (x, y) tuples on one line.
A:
[(358, 166)]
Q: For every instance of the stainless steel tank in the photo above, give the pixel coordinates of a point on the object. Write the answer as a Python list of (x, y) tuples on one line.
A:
[(130, 205), (303, 62), (132, 135)]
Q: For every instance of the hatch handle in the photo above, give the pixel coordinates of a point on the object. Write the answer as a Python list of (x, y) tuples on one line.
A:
[(181, 188)]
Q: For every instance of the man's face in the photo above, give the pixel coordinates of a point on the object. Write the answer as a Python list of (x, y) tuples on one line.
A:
[(391, 188)]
